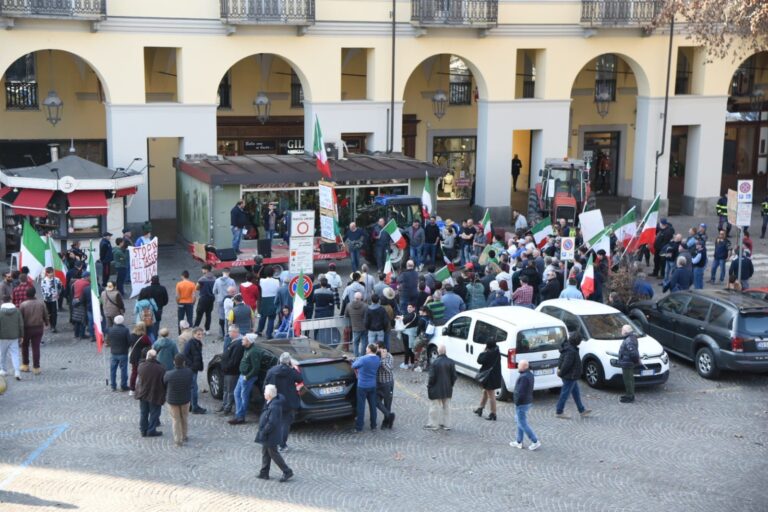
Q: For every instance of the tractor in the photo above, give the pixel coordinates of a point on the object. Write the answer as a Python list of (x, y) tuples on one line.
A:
[(562, 191)]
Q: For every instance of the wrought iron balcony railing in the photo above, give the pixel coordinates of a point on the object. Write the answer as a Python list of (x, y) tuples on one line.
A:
[(297, 96), (73, 9), (268, 12), (460, 93), (21, 95), (619, 13), (455, 13)]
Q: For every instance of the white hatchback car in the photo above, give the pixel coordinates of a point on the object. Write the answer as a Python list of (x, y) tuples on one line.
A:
[(600, 328), (520, 333)]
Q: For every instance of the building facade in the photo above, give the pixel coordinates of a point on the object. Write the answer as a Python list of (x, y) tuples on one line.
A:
[(465, 84)]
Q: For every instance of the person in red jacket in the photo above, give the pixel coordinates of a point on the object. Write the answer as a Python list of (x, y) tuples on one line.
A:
[(250, 291)]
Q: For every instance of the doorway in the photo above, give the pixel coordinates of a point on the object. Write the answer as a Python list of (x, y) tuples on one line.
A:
[(677, 165), (604, 150)]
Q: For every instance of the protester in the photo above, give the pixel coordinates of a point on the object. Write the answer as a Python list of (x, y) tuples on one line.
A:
[(35, 318), (120, 262), (150, 391), (106, 257), (185, 298), (178, 394), (442, 377), (410, 322), (250, 364), (523, 403), (270, 434), (249, 290), (285, 377), (145, 311), (385, 386), (375, 320), (11, 332), (166, 349), (356, 312), (367, 367), (52, 290), (139, 341), (569, 370), (629, 357), (112, 303), (571, 291), (489, 377), (159, 294), (238, 222), (267, 307), (205, 298), (119, 341), (231, 357), (223, 287), (193, 353), (747, 269), (19, 294)]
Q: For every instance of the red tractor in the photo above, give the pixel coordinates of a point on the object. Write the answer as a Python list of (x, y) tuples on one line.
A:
[(562, 192)]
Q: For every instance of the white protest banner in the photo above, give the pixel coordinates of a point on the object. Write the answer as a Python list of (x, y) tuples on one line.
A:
[(591, 223), (325, 193), (300, 255), (328, 228), (143, 265)]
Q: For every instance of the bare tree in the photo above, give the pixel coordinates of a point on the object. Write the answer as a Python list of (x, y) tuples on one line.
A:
[(724, 27)]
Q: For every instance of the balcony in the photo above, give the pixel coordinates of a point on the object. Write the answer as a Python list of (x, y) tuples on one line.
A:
[(619, 13), (455, 13), (21, 95), (268, 12), (90, 10)]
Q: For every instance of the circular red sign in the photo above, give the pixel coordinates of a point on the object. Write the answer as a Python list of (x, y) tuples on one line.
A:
[(295, 281), (302, 228), (567, 244), (746, 187)]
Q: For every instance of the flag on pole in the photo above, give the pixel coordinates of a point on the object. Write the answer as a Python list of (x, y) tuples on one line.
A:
[(59, 269), (588, 280), (336, 226), (487, 228), (648, 234), (426, 198), (602, 240), (443, 274), (625, 228), (318, 148), (32, 252), (542, 231), (394, 232), (388, 270), (95, 303), (299, 300)]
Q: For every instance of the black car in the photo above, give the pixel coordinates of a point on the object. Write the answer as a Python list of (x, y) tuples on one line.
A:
[(716, 329), (327, 389)]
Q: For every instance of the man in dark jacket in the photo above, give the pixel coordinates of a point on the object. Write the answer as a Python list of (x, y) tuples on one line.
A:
[(442, 377), (119, 341), (105, 256), (238, 219), (523, 403), (747, 269), (551, 288), (664, 234), (681, 278), (178, 393), (250, 365), (431, 240), (285, 377), (629, 357), (376, 320), (230, 367), (408, 285), (193, 353), (270, 432), (150, 391), (160, 294), (569, 370)]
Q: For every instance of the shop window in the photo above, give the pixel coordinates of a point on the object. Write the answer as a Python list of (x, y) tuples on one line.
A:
[(457, 156), (21, 84)]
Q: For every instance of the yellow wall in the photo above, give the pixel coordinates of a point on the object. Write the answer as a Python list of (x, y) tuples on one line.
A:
[(246, 81), (162, 177), (160, 74), (521, 144)]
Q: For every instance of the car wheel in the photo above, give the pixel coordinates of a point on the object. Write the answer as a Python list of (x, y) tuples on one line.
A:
[(502, 394), (594, 374), (216, 383), (706, 364)]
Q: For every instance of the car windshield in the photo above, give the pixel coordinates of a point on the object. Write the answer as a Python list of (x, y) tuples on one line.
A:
[(326, 372), (607, 327), (536, 340), (755, 325)]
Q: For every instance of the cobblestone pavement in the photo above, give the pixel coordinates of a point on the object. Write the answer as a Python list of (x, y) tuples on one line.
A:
[(68, 442)]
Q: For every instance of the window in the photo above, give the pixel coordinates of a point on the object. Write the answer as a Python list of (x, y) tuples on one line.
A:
[(673, 304), (297, 93), (328, 372), (21, 84), (755, 325), (487, 333), (697, 309), (460, 82), (608, 327), (721, 317), (84, 227), (571, 323), (536, 340), (605, 76), (225, 92), (459, 328)]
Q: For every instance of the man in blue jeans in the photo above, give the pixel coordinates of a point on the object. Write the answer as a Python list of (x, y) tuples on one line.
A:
[(523, 404), (569, 370), (367, 368), (249, 373), (720, 256), (119, 341), (238, 219)]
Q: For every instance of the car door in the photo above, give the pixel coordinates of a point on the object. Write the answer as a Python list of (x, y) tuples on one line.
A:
[(691, 323), (455, 335), (664, 318)]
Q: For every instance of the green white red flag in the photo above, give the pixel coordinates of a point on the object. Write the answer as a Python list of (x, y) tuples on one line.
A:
[(626, 228), (318, 148), (299, 301), (448, 262), (602, 239), (443, 274), (487, 227), (542, 231), (53, 260), (648, 233), (426, 198), (394, 233), (32, 252), (388, 270), (95, 303), (588, 280)]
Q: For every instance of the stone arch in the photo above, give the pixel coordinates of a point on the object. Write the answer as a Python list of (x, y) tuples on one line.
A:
[(414, 64), (641, 77), (727, 79)]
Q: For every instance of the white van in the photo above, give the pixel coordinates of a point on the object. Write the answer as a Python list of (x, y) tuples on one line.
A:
[(520, 333)]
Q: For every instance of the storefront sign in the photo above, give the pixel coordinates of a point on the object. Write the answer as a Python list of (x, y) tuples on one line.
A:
[(143, 265), (294, 146), (463, 182), (300, 256), (259, 145)]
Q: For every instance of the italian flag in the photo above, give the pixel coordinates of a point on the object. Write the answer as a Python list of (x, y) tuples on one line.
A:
[(426, 198), (448, 263), (388, 270), (542, 231), (336, 227), (588, 280), (443, 274), (394, 232), (318, 148), (32, 252), (648, 234), (626, 227), (95, 303), (602, 240), (298, 305), (487, 228), (52, 259)]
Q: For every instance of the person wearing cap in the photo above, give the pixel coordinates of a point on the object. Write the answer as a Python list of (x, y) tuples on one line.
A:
[(150, 392), (105, 256), (119, 342)]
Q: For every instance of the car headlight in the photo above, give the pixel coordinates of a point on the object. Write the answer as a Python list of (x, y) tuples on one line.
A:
[(664, 358)]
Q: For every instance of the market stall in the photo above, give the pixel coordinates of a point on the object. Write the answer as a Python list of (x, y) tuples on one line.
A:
[(70, 199)]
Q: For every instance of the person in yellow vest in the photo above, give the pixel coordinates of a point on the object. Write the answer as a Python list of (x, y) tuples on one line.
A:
[(721, 209)]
